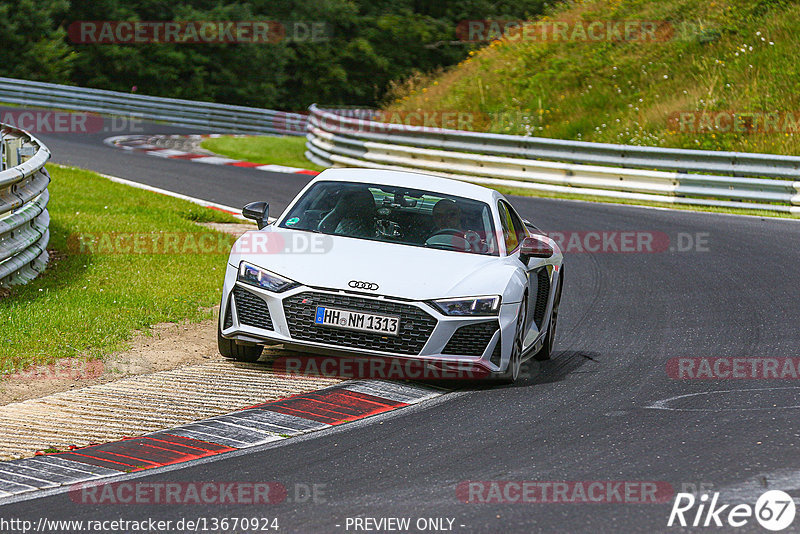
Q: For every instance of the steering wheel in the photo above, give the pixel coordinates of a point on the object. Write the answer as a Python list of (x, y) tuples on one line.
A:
[(448, 231), (453, 244)]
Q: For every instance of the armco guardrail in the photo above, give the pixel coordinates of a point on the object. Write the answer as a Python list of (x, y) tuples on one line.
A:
[(693, 177), (24, 221), (189, 113)]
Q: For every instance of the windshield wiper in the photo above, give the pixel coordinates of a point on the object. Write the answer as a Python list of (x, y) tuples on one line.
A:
[(301, 229)]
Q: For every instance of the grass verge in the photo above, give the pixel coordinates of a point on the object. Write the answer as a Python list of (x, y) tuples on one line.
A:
[(92, 299), (289, 151)]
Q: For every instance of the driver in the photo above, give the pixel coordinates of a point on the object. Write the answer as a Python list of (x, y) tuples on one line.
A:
[(447, 228), (446, 215), (447, 220)]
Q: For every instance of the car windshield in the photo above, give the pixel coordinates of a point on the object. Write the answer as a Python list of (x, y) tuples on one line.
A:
[(395, 215)]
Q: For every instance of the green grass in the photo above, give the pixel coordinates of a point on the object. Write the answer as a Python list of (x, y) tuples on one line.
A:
[(89, 304), (742, 57), (287, 150)]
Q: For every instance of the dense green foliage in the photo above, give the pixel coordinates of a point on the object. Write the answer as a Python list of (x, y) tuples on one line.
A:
[(371, 43)]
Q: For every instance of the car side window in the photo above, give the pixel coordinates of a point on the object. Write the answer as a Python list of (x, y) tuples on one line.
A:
[(513, 228), (507, 225), (519, 227)]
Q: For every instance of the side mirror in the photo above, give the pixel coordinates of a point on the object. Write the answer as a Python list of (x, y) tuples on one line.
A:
[(258, 212), (533, 247)]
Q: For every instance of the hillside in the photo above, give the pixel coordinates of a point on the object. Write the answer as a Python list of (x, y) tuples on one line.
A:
[(720, 74)]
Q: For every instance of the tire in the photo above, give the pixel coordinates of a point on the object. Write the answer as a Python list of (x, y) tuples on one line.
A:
[(511, 374), (546, 352), (233, 351)]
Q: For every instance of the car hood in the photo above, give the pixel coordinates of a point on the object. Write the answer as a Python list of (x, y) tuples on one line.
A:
[(327, 261)]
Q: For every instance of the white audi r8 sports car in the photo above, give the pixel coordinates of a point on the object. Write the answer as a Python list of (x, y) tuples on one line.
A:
[(394, 264)]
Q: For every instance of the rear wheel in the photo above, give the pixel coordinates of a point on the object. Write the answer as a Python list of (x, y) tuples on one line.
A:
[(546, 351), (232, 350)]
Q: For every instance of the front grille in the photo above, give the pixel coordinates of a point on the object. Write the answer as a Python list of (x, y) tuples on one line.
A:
[(416, 326), (542, 294), (471, 340), (251, 310)]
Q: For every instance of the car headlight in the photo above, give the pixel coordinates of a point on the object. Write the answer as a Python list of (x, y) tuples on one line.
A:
[(469, 306), (255, 276)]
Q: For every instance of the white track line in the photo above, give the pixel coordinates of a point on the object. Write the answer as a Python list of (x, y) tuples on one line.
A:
[(205, 203)]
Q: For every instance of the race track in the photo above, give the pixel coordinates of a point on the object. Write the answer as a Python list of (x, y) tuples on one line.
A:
[(587, 415), (216, 183)]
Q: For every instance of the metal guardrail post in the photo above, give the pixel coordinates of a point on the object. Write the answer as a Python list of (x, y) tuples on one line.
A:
[(12, 146), (24, 220)]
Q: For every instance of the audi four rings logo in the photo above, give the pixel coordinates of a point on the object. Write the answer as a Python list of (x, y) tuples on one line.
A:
[(355, 284)]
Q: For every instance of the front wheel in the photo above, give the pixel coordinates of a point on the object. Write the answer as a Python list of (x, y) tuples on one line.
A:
[(546, 352), (233, 351)]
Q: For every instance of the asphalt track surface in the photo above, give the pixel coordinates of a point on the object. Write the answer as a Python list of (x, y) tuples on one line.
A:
[(583, 416), (230, 186)]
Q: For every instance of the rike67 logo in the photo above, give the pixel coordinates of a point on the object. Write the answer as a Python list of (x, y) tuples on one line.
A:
[(774, 510)]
